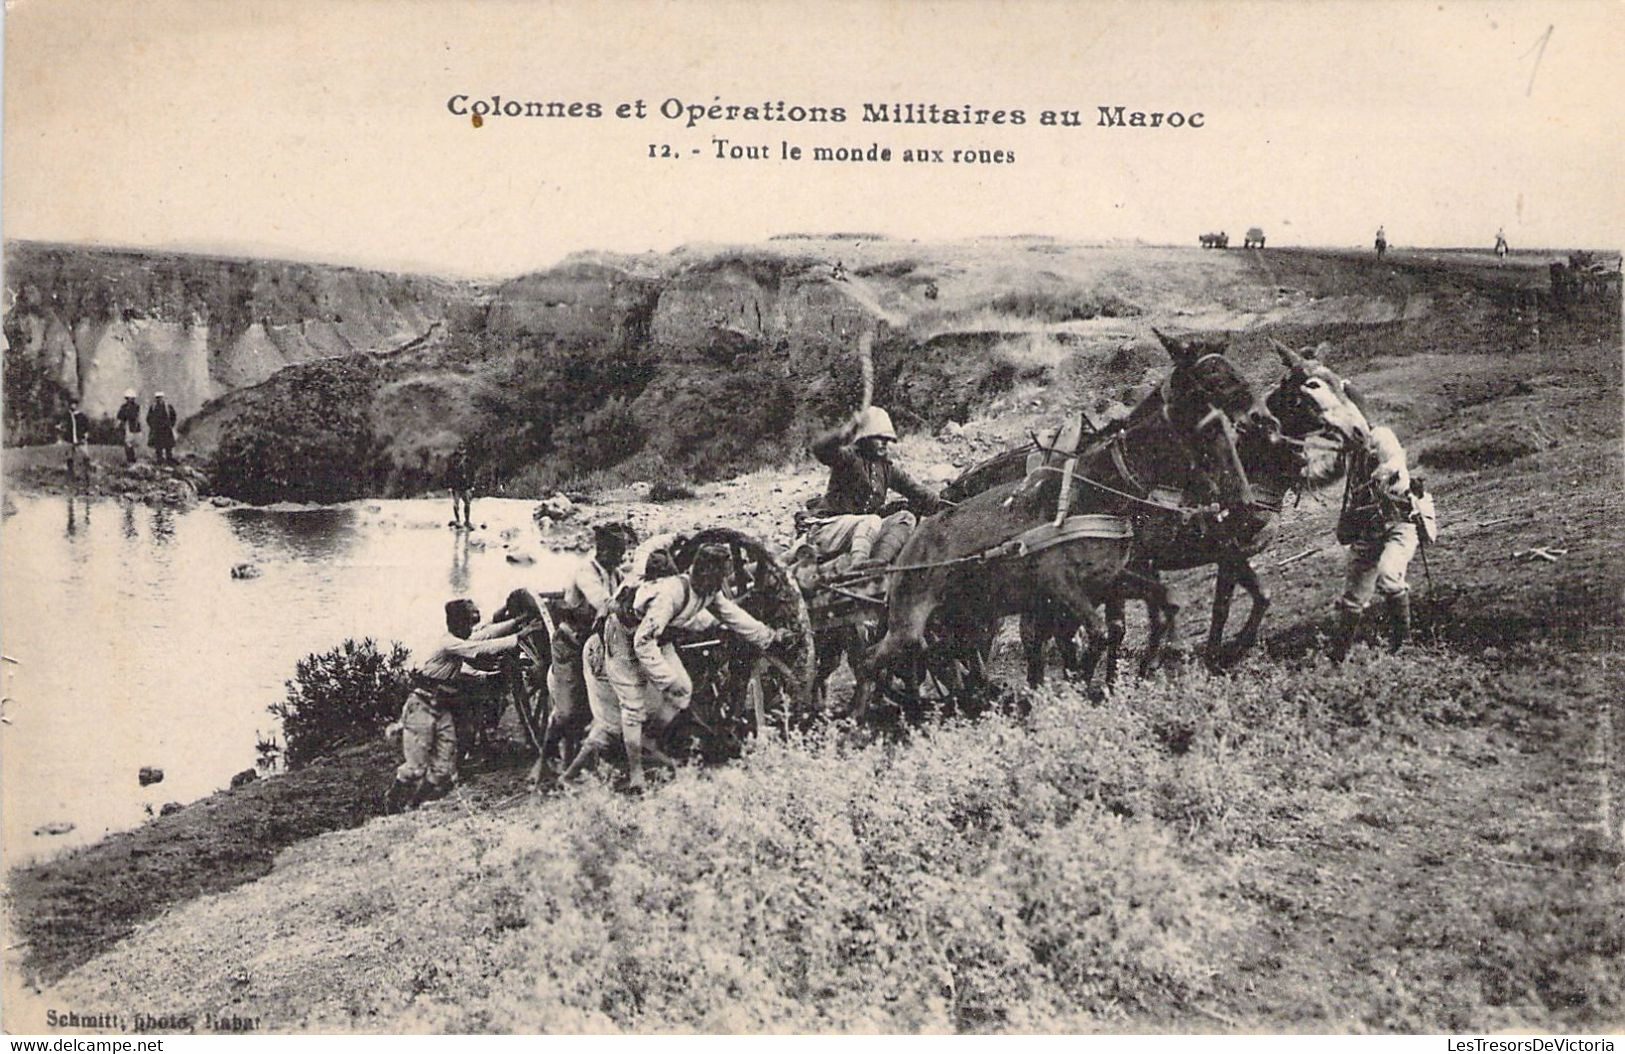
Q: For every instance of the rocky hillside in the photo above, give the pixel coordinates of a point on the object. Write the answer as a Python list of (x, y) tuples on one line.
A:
[(94, 322), (709, 360)]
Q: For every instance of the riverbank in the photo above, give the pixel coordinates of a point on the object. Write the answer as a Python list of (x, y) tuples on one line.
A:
[(43, 470)]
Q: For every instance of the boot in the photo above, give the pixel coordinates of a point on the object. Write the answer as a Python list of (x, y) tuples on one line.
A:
[(1348, 627), (1399, 620), (400, 796)]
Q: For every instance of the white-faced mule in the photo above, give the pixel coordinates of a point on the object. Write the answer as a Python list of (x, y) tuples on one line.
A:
[(1052, 542)]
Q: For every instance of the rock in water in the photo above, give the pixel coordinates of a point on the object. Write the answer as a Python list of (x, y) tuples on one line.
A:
[(170, 808), (524, 559), (149, 775), (54, 827), (245, 570), (557, 507)]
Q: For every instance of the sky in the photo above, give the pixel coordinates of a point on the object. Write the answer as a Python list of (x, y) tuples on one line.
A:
[(320, 129)]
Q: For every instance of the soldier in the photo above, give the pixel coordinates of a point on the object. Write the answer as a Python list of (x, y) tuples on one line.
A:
[(640, 665), (76, 430), (129, 419), (1378, 524), (460, 481), (439, 684), (576, 615), (847, 520), (161, 419)]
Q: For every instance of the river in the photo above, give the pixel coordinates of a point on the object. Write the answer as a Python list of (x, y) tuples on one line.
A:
[(128, 643)]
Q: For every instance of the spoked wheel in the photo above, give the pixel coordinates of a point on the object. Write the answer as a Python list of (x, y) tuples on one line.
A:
[(528, 684), (762, 585), (769, 697)]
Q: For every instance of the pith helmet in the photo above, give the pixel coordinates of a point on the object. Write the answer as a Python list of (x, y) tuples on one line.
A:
[(875, 423), (129, 393)]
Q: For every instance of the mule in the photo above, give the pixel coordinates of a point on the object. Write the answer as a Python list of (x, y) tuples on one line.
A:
[(1321, 417), (1317, 416), (1187, 428)]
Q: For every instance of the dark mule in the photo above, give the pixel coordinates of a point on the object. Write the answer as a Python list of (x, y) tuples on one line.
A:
[(1184, 430), (1319, 415)]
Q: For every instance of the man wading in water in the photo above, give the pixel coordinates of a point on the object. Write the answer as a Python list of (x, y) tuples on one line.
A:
[(460, 481)]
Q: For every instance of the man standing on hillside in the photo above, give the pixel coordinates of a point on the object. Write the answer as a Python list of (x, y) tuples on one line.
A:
[(76, 430), (129, 420), (1383, 509), (862, 474), (161, 420)]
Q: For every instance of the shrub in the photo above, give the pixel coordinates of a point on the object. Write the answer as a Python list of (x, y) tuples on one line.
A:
[(340, 696), (1062, 305), (666, 490), (309, 438)]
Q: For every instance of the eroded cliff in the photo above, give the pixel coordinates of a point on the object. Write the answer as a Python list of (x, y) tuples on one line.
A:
[(92, 323)]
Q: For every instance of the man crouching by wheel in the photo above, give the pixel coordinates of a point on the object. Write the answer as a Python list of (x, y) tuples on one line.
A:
[(641, 667), (439, 685)]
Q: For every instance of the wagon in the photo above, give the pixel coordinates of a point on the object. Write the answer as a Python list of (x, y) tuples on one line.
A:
[(1254, 238), (739, 692)]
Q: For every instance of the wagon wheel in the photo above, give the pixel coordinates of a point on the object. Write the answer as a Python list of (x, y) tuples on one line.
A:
[(769, 694), (758, 691), (528, 685)]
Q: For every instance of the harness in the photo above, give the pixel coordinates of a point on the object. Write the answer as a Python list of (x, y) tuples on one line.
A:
[(1362, 501)]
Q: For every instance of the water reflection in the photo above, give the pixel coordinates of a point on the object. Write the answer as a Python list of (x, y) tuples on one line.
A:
[(78, 515), (163, 525), (459, 562), (138, 647), (306, 535)]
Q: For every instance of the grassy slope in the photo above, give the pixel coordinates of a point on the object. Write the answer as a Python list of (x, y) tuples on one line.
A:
[(1412, 842)]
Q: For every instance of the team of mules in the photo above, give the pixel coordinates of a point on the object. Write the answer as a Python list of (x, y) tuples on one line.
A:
[(1086, 517)]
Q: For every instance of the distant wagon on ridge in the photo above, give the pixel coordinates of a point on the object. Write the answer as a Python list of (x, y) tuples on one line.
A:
[(1215, 241), (1255, 237)]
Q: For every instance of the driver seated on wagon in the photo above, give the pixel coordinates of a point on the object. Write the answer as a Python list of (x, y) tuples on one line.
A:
[(634, 673), (846, 525)]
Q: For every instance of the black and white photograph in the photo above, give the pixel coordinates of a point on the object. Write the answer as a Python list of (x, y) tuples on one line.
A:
[(874, 517)]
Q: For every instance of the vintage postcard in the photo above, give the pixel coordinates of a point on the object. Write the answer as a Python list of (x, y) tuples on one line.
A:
[(724, 517)]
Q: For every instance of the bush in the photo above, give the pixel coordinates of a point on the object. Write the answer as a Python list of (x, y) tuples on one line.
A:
[(341, 696), (310, 438), (666, 490), (1064, 305)]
